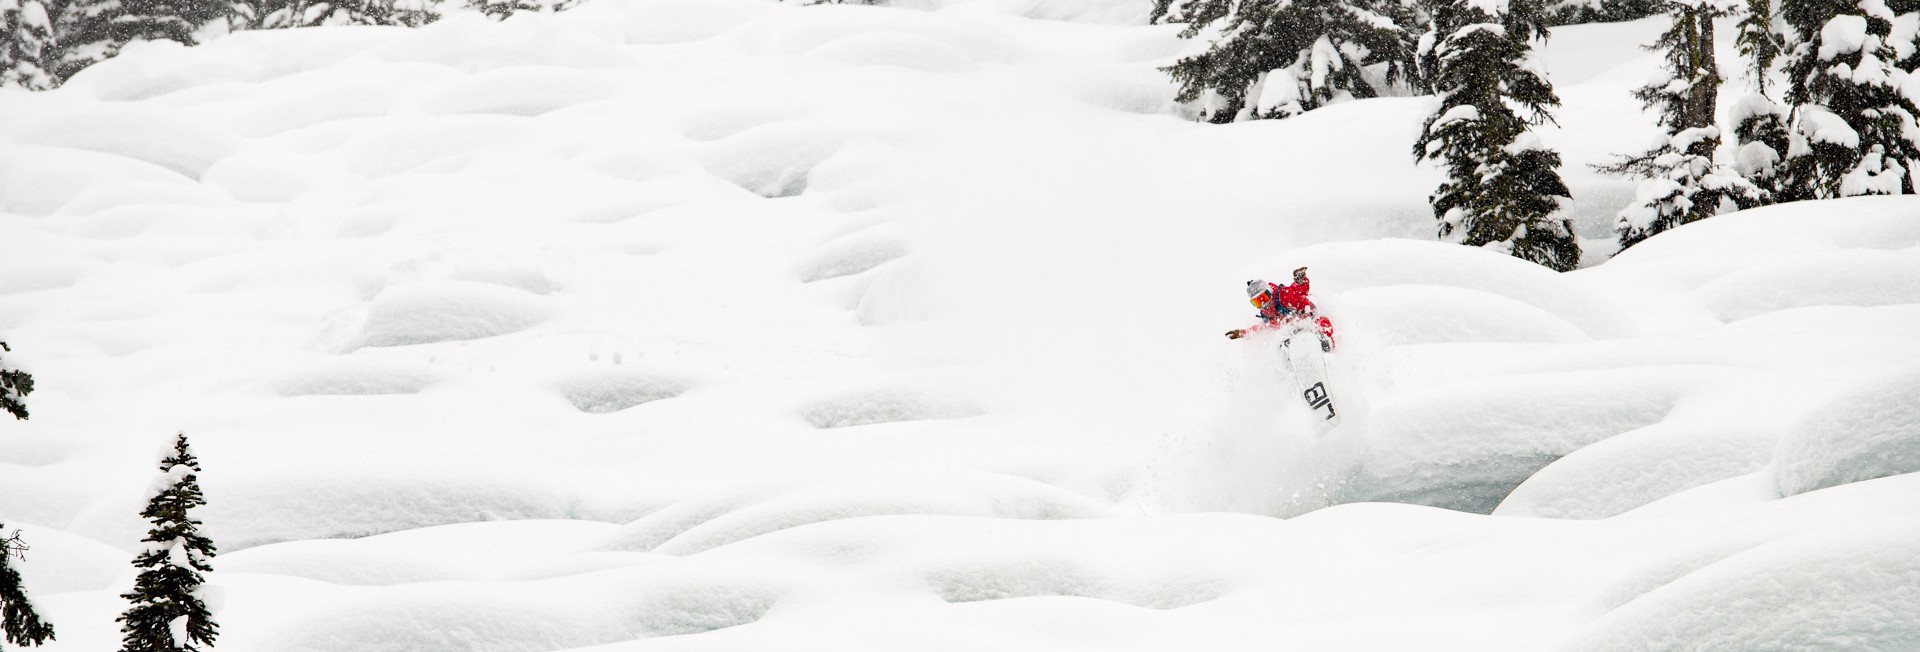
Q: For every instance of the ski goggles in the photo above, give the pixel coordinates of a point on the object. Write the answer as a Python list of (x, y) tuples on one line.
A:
[(1262, 300)]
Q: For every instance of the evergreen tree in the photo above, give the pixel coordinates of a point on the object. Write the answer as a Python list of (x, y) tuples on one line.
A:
[(167, 614), (1683, 184), (1760, 129), (282, 14), (1502, 185), (1279, 58), (1759, 42), (91, 31), (1759, 124), (1854, 129), (15, 385), (26, 40), (1574, 12), (501, 9), (21, 624)]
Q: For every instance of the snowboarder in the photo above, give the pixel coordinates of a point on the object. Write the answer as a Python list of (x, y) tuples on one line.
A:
[(1285, 307)]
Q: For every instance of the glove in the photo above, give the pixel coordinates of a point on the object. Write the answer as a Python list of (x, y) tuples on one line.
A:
[(1236, 334)]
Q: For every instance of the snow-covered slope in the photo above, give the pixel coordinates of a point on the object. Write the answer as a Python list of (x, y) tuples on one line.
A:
[(716, 324)]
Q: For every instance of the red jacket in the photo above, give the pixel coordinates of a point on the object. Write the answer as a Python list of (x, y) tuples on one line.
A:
[(1293, 298)]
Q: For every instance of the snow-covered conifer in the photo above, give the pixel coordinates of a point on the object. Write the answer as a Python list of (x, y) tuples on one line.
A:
[(26, 40), (501, 9), (1278, 58), (281, 14), (1854, 128), (1760, 137), (15, 385), (1573, 12), (167, 612), (1503, 186), (91, 31), (1759, 42), (1682, 182), (22, 625)]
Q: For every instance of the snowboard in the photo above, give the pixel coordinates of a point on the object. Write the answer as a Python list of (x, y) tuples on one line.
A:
[(1308, 366)]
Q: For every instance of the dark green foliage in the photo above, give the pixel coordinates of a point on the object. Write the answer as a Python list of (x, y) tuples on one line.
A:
[(1852, 122), (280, 14), (21, 625), (1760, 130), (170, 577), (91, 31), (1759, 42), (1297, 54), (15, 385), (501, 9), (26, 40), (1683, 183), (1575, 12), (1502, 186)]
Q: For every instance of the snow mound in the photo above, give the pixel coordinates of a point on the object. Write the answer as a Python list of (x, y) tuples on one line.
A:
[(1005, 576), (1344, 267), (895, 49), (311, 98), (426, 313), (605, 392), (694, 526), (1698, 253), (347, 561), (771, 160), (400, 144), (1847, 278), (1466, 446), (259, 508), (1871, 431), (1853, 588), (885, 405), (491, 550), (1427, 314), (151, 68), (920, 34), (961, 559), (41, 180), (520, 91), (850, 255), (1623, 472), (558, 614), (265, 175), (651, 22), (894, 296), (20, 278), (172, 139), (353, 377), (470, 42), (57, 562)]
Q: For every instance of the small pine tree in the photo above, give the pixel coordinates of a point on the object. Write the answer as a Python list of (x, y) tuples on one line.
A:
[(1683, 184), (1502, 185), (1854, 128), (22, 625), (1279, 58), (1759, 42), (1760, 129), (167, 614), (15, 385), (26, 40)]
